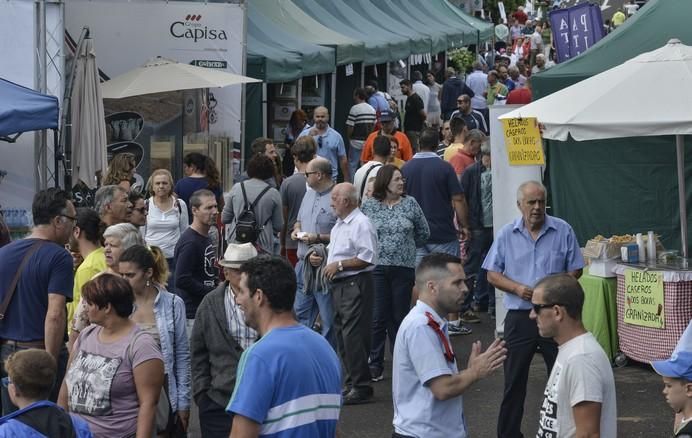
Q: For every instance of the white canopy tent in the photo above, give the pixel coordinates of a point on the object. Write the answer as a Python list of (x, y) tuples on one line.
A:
[(607, 106)]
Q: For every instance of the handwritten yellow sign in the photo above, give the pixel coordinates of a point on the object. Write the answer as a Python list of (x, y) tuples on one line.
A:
[(523, 141), (644, 304)]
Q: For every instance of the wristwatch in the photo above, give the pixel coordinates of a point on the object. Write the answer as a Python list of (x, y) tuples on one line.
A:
[(340, 266)]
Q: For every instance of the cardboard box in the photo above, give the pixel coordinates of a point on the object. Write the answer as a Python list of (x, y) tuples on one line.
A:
[(602, 249)]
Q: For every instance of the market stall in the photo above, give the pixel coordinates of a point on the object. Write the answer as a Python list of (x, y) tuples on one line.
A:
[(654, 306), (600, 310)]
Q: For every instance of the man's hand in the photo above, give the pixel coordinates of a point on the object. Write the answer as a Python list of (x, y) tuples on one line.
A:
[(465, 233), (184, 418), (482, 364), (294, 233), (524, 292), (316, 260), (330, 270)]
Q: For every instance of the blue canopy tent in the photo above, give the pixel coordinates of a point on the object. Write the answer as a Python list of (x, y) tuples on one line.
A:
[(23, 109)]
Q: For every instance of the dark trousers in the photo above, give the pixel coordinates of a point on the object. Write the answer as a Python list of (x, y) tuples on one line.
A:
[(522, 340), (170, 285), (5, 351), (352, 298), (214, 421), (393, 286), (479, 288)]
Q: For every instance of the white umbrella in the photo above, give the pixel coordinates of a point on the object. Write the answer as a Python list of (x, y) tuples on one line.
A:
[(88, 121), (162, 74), (607, 106)]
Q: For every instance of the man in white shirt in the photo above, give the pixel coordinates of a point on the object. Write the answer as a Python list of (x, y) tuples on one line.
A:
[(580, 393), (351, 259), (426, 382), (359, 124), (421, 89), (478, 82), (536, 44), (381, 152)]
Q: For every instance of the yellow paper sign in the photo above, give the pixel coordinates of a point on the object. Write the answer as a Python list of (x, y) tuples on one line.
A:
[(644, 298), (523, 141)]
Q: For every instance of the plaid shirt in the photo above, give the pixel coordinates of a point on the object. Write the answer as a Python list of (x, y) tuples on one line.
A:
[(242, 334)]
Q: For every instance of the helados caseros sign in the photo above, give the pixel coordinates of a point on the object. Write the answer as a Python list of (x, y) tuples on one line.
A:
[(576, 29)]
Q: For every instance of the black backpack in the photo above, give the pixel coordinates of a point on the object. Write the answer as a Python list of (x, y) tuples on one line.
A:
[(247, 230)]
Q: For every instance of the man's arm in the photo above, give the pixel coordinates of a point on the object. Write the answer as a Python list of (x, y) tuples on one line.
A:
[(349, 133), (199, 353), (461, 208), (343, 162), (480, 366), (587, 419), (243, 427), (503, 283), (576, 274), (54, 324)]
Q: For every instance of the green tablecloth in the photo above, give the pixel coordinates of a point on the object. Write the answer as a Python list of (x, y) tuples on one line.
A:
[(600, 310)]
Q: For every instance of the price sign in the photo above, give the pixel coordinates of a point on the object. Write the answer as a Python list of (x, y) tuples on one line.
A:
[(523, 141)]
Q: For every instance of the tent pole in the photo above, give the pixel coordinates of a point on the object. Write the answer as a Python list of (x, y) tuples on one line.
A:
[(680, 152)]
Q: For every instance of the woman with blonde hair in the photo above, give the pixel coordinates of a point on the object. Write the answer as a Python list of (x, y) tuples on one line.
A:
[(121, 171), (166, 219), (161, 314)]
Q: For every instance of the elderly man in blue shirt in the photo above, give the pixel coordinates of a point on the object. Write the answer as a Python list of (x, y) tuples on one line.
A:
[(525, 251), (330, 144)]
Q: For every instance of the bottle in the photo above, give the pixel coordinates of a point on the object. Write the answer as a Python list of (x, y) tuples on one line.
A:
[(641, 248), (651, 247)]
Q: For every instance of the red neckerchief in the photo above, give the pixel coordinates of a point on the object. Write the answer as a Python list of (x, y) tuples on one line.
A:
[(449, 354)]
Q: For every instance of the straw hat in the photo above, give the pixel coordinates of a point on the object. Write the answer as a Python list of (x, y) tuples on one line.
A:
[(236, 254)]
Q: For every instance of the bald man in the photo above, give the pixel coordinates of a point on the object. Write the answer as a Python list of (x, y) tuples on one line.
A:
[(330, 144), (350, 262)]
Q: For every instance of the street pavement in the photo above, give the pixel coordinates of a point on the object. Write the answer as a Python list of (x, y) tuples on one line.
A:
[(642, 410)]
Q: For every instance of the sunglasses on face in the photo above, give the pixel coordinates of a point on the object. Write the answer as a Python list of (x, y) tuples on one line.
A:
[(538, 307)]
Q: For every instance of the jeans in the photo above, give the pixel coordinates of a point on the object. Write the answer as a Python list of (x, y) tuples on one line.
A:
[(414, 139), (353, 161), (480, 289), (213, 419), (5, 351), (309, 304), (393, 286), (451, 248)]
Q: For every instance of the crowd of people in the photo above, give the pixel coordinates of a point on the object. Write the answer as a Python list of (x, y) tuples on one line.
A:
[(264, 310)]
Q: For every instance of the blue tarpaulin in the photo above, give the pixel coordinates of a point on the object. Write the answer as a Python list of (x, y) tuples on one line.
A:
[(23, 109)]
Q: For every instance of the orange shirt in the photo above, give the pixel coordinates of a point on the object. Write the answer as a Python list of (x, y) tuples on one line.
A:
[(405, 150), (461, 160)]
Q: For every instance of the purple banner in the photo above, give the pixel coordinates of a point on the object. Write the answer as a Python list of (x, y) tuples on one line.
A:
[(576, 29)]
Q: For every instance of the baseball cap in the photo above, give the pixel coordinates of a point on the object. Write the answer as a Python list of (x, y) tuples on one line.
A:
[(386, 116), (679, 366)]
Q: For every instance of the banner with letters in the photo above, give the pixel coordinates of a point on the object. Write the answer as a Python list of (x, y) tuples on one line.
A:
[(575, 29)]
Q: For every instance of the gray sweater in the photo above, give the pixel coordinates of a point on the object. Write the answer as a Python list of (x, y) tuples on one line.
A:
[(268, 211), (214, 352)]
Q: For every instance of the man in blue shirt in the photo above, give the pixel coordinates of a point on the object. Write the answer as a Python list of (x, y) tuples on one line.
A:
[(35, 316), (330, 144), (289, 382), (524, 252)]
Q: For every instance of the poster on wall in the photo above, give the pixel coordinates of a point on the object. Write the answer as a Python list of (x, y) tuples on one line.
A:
[(128, 34)]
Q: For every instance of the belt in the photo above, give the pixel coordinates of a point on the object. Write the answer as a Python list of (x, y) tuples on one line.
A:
[(24, 344), (349, 277)]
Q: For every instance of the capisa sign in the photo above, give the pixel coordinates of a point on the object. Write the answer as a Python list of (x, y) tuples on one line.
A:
[(192, 29)]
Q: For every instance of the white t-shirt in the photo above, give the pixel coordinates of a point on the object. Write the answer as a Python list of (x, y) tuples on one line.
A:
[(423, 91), (581, 373), (164, 228), (359, 179)]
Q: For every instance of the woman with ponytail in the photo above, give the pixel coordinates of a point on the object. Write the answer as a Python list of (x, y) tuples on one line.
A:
[(162, 314)]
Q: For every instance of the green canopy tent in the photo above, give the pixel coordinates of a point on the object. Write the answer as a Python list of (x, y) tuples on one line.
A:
[(380, 45), (621, 185), (458, 33), (287, 16), (485, 30)]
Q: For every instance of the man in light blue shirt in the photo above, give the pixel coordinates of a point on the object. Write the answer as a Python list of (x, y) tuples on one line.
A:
[(426, 382), (330, 144), (524, 252)]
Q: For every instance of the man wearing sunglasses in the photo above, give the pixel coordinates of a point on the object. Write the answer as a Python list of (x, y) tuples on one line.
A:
[(580, 393), (525, 251), (36, 273)]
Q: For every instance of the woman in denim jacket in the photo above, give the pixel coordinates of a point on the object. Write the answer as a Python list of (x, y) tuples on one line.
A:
[(162, 314)]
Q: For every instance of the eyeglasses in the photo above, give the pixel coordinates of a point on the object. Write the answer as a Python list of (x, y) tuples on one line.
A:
[(319, 142), (537, 307), (307, 174), (73, 219)]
